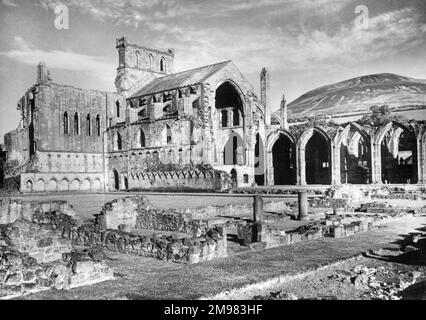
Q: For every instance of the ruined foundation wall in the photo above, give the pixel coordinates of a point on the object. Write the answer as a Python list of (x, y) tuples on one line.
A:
[(12, 210)]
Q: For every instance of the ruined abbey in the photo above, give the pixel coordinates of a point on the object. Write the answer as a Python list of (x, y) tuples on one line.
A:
[(202, 129)]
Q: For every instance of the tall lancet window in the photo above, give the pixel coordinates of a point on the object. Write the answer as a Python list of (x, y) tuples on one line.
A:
[(89, 125), (76, 125), (66, 124)]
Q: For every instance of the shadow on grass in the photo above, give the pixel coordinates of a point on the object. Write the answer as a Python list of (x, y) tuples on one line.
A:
[(411, 250)]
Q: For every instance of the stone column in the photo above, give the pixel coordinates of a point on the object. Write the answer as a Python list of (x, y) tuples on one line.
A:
[(301, 167), (258, 209), (335, 164), (269, 169), (421, 161), (303, 205), (376, 162)]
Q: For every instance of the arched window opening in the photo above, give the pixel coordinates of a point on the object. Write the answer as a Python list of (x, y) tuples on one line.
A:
[(98, 125), (151, 61), (118, 142), (142, 139), (180, 156), (89, 125), (116, 180), (163, 65), (284, 161), (66, 123), (76, 125), (138, 59), (117, 107), (126, 183), (318, 160), (228, 101), (169, 134), (156, 156), (399, 157), (355, 160)]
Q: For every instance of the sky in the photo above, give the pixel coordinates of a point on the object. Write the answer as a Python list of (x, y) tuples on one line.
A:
[(304, 44)]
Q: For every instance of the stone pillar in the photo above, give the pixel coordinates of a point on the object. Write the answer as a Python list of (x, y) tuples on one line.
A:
[(335, 164), (258, 209), (269, 169), (421, 161), (376, 162), (303, 205), (301, 167)]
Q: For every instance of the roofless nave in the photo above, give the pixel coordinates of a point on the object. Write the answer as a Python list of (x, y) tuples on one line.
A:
[(203, 129)]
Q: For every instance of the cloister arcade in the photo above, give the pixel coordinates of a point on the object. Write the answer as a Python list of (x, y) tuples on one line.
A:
[(391, 154)]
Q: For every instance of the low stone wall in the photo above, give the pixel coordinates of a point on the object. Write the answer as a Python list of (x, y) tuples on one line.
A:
[(386, 207), (334, 226), (233, 210), (211, 245), (328, 203), (16, 209), (137, 213)]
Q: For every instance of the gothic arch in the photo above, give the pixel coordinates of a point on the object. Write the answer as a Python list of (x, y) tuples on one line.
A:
[(274, 136), (75, 185), (29, 185), (282, 158), (52, 185), (85, 185), (233, 150), (396, 156), (314, 157), (64, 185), (241, 96), (40, 185)]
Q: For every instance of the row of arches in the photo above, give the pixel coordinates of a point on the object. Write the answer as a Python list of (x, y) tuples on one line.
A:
[(172, 178), (315, 158), (54, 185), (73, 126)]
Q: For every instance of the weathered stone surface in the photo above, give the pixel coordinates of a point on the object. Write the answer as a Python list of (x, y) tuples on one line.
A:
[(18, 209)]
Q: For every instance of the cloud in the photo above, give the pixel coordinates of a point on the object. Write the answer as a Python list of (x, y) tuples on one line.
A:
[(25, 53), (9, 3), (295, 47)]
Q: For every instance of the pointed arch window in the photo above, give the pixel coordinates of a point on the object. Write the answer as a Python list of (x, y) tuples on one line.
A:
[(142, 139), (117, 107), (163, 65), (76, 124), (66, 123), (169, 134), (118, 142), (151, 61), (98, 125), (89, 125), (138, 59)]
